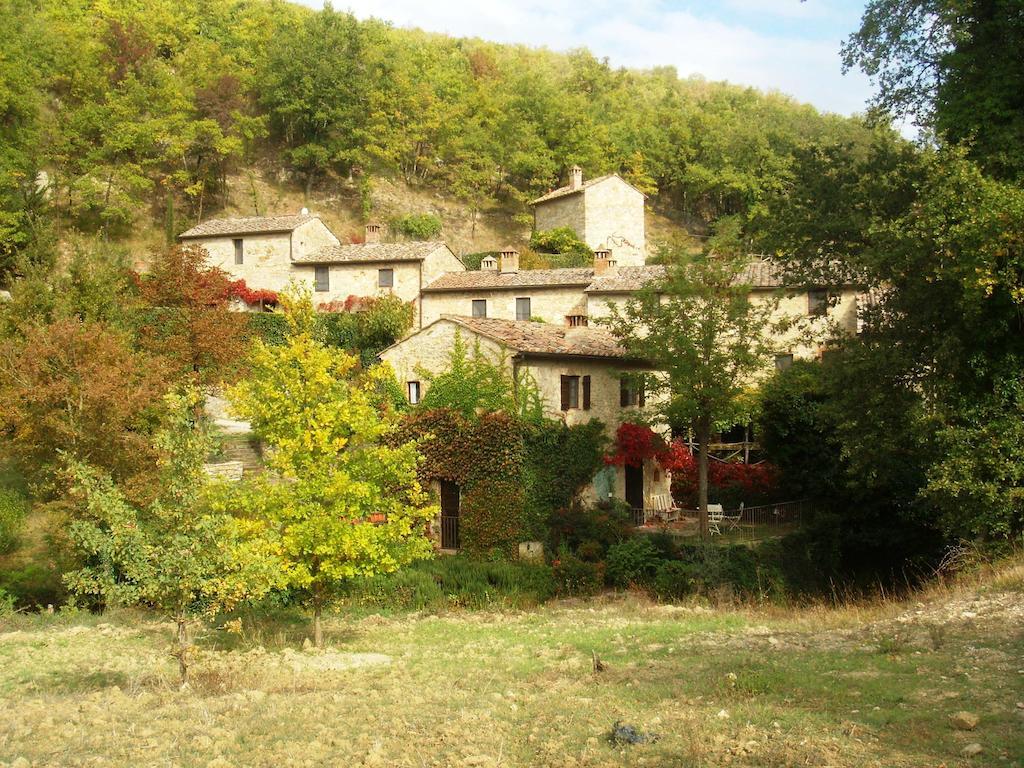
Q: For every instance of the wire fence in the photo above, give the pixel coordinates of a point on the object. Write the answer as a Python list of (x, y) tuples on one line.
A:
[(754, 523)]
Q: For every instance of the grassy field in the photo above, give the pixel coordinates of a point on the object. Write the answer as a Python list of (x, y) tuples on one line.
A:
[(869, 685)]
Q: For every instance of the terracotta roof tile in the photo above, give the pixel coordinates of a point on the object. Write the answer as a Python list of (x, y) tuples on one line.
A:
[(371, 252), (246, 226), (490, 279), (543, 338), (626, 279), (761, 274)]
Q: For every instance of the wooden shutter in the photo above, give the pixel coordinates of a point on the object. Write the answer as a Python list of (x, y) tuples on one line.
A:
[(623, 393), (565, 393), (641, 397), (586, 393)]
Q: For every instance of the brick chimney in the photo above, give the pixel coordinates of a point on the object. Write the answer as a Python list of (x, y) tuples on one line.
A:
[(489, 264), (604, 262), (509, 260), (372, 233), (575, 177)]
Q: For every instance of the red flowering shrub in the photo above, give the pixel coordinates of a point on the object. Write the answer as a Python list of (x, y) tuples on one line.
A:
[(729, 483), (635, 444), (237, 289)]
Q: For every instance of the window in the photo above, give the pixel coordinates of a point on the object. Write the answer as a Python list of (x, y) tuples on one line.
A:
[(322, 276), (523, 309), (577, 321), (414, 391), (239, 251), (631, 393), (817, 302), (782, 362), (385, 278), (479, 307), (570, 392)]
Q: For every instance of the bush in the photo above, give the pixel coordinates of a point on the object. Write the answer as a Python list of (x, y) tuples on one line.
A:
[(417, 226), (457, 581), (634, 561), (605, 523), (34, 585), (270, 327), (564, 245), (573, 576), (674, 580), (13, 508)]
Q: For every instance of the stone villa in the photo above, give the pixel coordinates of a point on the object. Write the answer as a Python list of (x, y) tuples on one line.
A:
[(541, 321)]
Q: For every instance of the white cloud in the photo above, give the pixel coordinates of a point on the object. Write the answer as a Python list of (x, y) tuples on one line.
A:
[(720, 43)]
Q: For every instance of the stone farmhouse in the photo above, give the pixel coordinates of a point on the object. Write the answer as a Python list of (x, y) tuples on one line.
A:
[(270, 252), (540, 322)]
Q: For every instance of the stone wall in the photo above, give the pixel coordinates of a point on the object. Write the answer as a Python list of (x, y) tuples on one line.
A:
[(549, 304), (430, 350), (361, 279), (567, 211), (614, 216)]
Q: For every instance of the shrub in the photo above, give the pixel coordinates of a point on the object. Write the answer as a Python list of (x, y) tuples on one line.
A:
[(674, 580), (270, 327), (457, 581), (13, 508), (573, 576), (564, 245), (6, 604), (606, 523), (634, 561), (417, 226), (34, 585)]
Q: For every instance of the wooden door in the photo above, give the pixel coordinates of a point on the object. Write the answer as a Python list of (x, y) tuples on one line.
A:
[(635, 487), (449, 515)]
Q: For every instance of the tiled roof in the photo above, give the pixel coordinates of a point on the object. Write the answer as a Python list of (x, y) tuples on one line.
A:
[(761, 274), (543, 338), (247, 226), (625, 279), (568, 190), (491, 279), (371, 252)]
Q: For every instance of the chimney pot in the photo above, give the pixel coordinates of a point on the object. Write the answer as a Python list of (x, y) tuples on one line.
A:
[(489, 264), (575, 177), (603, 261), (372, 233), (509, 260)]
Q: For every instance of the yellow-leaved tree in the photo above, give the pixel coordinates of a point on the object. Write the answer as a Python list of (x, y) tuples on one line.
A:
[(344, 504)]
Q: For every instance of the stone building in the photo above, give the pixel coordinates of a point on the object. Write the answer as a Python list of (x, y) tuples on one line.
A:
[(269, 252), (578, 373), (606, 213), (260, 250)]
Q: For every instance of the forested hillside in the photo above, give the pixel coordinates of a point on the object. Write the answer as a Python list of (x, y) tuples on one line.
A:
[(120, 117)]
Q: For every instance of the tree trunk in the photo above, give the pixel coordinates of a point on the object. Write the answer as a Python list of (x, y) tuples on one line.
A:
[(182, 651), (703, 438), (318, 629)]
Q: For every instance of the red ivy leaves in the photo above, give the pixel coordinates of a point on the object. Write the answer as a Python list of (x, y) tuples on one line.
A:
[(635, 444), (237, 289)]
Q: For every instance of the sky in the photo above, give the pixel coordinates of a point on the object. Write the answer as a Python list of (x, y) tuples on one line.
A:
[(775, 45)]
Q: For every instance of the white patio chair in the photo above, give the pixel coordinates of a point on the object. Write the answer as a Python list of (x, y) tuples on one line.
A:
[(715, 516), (733, 520)]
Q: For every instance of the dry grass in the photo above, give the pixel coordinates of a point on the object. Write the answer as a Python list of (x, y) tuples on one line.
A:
[(863, 685)]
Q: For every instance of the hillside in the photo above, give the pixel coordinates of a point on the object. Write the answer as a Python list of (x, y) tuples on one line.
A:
[(127, 124), (863, 685)]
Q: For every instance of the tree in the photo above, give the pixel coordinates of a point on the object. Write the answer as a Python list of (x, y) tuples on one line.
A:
[(182, 554), (347, 505), (190, 324), (705, 339), (79, 390), (954, 67)]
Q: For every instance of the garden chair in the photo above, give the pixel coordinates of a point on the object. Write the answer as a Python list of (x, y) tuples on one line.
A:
[(663, 506), (716, 514), (732, 520)]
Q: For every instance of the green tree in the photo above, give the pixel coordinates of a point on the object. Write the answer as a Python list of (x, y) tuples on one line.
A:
[(181, 554), (348, 505), (954, 67), (705, 339)]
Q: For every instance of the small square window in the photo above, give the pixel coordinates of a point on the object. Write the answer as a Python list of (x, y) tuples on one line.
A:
[(239, 251), (782, 362), (817, 302), (322, 277), (385, 278), (479, 307), (523, 309), (414, 392)]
